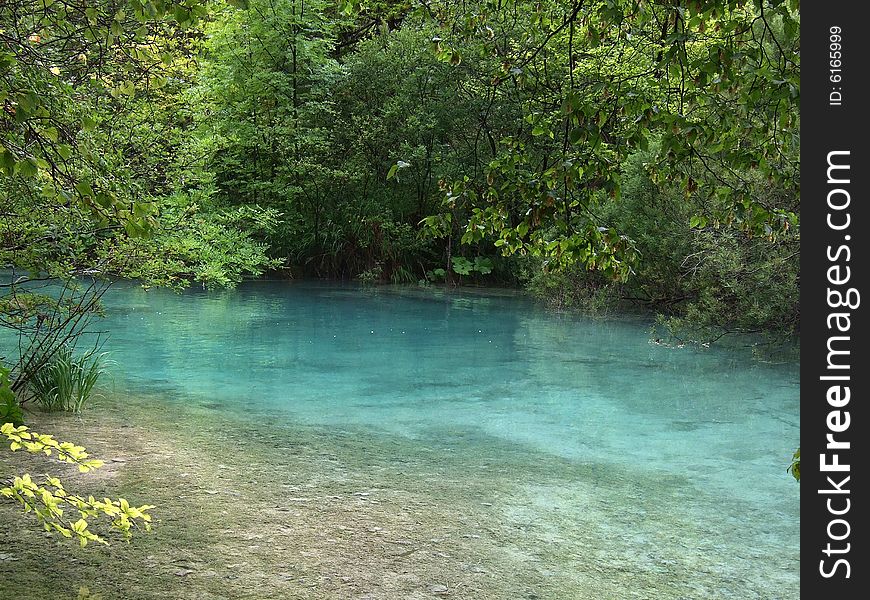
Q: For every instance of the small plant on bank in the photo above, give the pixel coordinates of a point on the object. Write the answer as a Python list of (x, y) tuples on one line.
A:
[(66, 382), (10, 410), (372, 275), (463, 266), (795, 466)]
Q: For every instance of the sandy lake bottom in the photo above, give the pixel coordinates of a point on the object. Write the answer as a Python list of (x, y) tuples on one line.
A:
[(320, 442)]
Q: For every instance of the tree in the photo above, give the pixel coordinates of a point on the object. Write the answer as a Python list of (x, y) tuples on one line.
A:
[(82, 182), (710, 88), (76, 206)]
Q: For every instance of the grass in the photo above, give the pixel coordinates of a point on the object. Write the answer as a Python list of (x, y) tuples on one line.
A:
[(66, 382)]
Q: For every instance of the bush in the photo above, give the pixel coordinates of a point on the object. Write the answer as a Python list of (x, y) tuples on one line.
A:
[(703, 281), (570, 289), (66, 382), (10, 410)]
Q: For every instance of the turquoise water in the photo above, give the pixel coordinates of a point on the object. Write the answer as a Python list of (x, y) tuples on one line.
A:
[(647, 463)]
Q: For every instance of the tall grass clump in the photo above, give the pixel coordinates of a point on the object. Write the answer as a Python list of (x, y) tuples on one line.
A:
[(66, 382)]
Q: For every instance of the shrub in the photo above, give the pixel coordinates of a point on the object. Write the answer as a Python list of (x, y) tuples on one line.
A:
[(10, 410), (795, 467)]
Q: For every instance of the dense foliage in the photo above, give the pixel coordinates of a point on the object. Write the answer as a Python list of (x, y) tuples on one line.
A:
[(87, 127), (603, 152), (642, 152)]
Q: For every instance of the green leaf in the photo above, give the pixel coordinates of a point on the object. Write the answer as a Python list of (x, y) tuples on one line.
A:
[(84, 188), (483, 265), (7, 161), (576, 135), (26, 168), (182, 15), (523, 229), (393, 172), (462, 265), (105, 200), (49, 133)]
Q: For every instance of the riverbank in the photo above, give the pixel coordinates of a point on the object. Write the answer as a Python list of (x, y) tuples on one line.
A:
[(265, 510)]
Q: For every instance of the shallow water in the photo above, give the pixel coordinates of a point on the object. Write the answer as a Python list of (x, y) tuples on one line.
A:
[(634, 464)]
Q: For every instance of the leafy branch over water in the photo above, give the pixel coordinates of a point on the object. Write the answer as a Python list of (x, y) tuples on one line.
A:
[(52, 503)]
